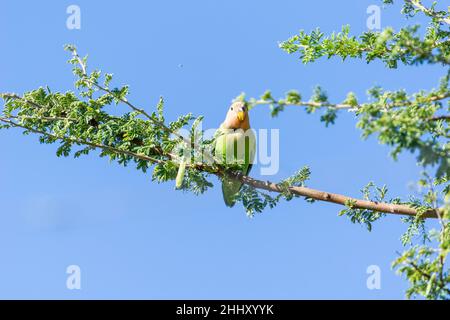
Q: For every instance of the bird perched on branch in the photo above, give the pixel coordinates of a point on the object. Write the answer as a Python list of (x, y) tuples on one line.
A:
[(235, 147)]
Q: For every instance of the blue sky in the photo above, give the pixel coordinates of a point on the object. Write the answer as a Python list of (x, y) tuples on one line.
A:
[(135, 239)]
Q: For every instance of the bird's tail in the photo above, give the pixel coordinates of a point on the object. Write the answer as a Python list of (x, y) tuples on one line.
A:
[(230, 189)]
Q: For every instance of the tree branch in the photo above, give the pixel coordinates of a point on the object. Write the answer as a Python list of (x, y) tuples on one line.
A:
[(83, 142), (336, 106), (319, 195), (344, 106), (429, 12), (437, 118), (398, 209), (324, 196), (442, 284)]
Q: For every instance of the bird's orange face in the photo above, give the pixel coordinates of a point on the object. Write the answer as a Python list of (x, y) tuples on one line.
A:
[(237, 117)]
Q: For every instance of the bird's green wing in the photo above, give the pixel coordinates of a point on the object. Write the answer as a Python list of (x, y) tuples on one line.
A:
[(235, 149)]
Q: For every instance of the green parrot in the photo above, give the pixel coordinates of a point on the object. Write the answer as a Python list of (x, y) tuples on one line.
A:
[(235, 146)]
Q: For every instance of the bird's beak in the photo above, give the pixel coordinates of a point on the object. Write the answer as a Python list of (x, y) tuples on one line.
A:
[(241, 115)]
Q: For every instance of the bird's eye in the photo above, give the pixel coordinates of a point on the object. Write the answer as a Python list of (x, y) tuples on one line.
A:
[(231, 108)]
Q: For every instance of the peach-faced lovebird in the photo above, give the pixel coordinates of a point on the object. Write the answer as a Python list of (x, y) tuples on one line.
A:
[(235, 147)]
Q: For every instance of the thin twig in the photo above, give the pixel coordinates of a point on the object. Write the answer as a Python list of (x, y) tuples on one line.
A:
[(340, 106), (429, 12)]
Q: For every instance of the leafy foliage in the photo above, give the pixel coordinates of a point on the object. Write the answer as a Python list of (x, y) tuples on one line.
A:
[(90, 119), (255, 201), (415, 122), (81, 123), (364, 216)]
